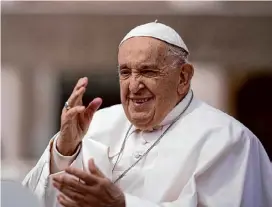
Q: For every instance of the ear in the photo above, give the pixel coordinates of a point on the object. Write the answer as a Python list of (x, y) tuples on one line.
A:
[(186, 74)]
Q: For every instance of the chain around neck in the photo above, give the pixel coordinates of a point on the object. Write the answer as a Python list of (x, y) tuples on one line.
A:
[(151, 147)]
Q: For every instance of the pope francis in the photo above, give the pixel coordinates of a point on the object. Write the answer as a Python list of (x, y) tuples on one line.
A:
[(160, 147)]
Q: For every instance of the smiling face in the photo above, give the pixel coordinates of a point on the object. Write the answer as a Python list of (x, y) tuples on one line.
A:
[(149, 87)]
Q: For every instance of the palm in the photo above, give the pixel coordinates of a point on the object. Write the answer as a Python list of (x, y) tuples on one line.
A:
[(75, 120), (81, 124)]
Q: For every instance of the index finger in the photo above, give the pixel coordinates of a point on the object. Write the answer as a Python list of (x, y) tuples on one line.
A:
[(80, 83)]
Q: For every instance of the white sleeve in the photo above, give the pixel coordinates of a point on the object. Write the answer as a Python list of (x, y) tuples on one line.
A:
[(38, 180), (59, 162)]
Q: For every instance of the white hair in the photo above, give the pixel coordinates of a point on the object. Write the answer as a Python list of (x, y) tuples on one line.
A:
[(179, 55)]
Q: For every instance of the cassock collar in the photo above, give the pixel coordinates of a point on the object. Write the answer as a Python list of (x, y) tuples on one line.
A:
[(173, 114), (179, 108)]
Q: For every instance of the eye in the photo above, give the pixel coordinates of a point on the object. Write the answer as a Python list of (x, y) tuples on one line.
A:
[(125, 72), (149, 73)]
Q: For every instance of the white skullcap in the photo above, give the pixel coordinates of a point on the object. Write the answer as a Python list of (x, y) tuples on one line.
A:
[(158, 31)]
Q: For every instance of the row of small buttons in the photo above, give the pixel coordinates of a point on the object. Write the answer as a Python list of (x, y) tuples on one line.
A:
[(143, 144)]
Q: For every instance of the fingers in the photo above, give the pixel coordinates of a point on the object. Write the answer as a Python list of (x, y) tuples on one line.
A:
[(64, 201), (61, 181), (69, 192), (78, 92), (89, 200), (76, 97), (77, 191), (71, 113), (94, 169), (82, 82), (86, 177)]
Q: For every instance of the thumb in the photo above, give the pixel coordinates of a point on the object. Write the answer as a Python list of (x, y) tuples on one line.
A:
[(92, 108), (94, 169), (94, 105)]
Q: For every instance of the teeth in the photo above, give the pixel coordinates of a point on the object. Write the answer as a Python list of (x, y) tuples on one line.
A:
[(140, 100)]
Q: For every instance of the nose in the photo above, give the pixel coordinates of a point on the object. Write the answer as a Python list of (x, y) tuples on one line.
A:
[(135, 84)]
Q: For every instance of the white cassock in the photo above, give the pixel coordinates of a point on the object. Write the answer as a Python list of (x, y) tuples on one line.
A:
[(206, 158)]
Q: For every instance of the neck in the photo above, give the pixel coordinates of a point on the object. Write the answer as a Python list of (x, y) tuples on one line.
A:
[(182, 97)]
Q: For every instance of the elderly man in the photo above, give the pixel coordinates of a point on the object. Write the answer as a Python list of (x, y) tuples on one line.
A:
[(161, 147)]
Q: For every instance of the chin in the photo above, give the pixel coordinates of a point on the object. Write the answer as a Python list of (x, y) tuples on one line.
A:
[(142, 121), (142, 126)]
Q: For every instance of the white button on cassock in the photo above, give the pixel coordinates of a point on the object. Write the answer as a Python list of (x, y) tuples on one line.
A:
[(144, 142), (137, 155)]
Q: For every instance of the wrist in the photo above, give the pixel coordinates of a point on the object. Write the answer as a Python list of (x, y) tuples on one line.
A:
[(66, 148)]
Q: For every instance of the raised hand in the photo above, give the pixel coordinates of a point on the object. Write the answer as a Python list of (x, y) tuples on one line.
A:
[(75, 119)]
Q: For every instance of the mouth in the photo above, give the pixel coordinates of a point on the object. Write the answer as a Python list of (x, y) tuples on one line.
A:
[(140, 101)]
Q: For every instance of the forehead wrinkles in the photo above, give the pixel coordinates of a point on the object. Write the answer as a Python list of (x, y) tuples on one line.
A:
[(142, 49)]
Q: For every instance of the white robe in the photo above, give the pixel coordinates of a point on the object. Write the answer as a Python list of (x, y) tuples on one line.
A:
[(206, 159)]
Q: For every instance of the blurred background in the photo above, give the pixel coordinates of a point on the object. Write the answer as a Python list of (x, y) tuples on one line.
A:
[(47, 46)]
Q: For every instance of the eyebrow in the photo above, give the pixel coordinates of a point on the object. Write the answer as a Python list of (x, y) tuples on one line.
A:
[(142, 66), (148, 66), (122, 66)]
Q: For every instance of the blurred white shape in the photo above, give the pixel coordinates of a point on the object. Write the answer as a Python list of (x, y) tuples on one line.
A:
[(13, 194), (11, 170), (11, 109), (210, 83)]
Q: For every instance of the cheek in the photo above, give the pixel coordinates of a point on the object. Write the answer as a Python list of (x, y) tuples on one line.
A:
[(151, 85), (123, 89), (165, 90), (156, 86)]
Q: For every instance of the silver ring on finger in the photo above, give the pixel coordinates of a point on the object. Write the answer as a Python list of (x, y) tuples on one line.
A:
[(67, 106)]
